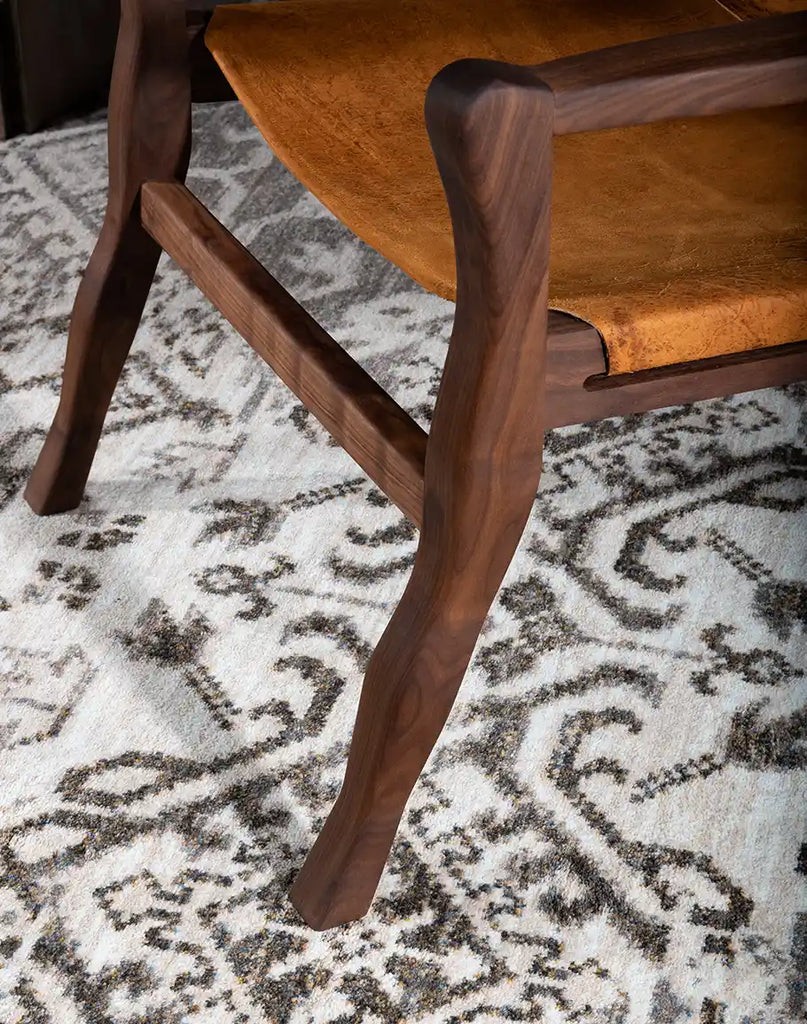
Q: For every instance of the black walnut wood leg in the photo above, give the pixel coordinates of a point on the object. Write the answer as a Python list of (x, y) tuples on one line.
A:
[(483, 459), (149, 136)]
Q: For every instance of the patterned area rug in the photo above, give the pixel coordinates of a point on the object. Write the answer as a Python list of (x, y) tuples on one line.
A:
[(611, 828)]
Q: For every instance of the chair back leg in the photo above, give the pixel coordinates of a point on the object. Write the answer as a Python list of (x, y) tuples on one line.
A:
[(149, 137)]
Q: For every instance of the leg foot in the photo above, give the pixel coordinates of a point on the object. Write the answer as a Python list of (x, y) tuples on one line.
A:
[(58, 478), (410, 686)]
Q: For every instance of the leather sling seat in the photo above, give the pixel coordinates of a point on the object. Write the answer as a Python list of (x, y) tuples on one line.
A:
[(678, 241)]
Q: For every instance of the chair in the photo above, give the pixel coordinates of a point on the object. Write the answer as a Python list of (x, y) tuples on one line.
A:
[(674, 269)]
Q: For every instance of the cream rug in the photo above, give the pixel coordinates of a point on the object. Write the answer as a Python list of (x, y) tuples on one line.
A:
[(612, 826)]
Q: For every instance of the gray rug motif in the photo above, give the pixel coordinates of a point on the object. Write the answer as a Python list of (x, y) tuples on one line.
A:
[(612, 828)]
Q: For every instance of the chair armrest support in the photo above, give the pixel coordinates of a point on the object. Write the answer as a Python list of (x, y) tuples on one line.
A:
[(760, 63)]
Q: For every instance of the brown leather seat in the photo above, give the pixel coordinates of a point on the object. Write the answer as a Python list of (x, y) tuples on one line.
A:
[(679, 240)]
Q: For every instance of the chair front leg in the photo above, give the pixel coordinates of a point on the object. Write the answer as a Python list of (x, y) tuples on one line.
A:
[(491, 129), (149, 138)]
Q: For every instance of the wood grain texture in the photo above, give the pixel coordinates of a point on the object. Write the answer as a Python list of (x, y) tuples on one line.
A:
[(492, 141), (713, 71), (370, 426), (689, 382), (578, 388), (149, 136), (471, 483), (574, 353)]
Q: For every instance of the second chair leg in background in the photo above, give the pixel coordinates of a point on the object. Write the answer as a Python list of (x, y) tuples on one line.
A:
[(149, 137)]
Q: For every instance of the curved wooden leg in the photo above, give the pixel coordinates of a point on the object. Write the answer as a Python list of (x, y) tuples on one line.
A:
[(410, 686), (105, 317), (149, 137), (483, 460)]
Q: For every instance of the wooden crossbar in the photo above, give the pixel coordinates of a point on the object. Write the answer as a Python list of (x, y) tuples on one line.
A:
[(384, 440), (372, 428)]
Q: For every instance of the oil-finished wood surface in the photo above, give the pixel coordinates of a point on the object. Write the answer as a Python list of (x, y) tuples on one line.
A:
[(579, 390), (370, 426), (493, 147), (149, 136), (687, 382), (471, 482), (734, 67)]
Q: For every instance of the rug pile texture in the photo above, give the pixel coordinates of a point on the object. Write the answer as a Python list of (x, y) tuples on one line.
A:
[(612, 826)]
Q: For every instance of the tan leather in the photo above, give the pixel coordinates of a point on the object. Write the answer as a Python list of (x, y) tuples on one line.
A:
[(678, 241)]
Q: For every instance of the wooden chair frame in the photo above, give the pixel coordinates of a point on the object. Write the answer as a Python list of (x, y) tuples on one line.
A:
[(512, 370)]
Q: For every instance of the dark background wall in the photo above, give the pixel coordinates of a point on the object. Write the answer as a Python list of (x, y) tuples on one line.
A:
[(55, 59)]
